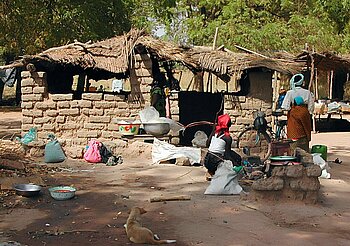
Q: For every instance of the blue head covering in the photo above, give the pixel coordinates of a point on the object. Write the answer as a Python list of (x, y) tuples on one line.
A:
[(298, 100), (296, 80)]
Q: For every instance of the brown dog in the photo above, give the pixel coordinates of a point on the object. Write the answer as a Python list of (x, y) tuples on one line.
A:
[(139, 234)]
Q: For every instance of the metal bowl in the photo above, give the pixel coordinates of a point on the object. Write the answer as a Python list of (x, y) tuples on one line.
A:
[(62, 193), (27, 190), (156, 129)]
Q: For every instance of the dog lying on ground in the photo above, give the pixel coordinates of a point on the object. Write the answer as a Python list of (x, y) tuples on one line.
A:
[(139, 234)]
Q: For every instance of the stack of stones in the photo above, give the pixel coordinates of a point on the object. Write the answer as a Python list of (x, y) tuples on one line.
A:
[(296, 182)]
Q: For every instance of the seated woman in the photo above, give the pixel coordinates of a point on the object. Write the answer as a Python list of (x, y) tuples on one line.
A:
[(220, 146)]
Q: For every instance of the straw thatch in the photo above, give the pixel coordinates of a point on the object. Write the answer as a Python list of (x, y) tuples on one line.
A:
[(114, 56), (325, 61)]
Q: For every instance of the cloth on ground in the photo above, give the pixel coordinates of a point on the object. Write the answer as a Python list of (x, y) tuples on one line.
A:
[(162, 151)]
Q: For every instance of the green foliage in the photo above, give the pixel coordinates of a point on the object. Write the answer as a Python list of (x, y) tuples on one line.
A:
[(31, 26)]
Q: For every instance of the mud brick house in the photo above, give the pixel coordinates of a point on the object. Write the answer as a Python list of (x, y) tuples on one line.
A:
[(76, 115)]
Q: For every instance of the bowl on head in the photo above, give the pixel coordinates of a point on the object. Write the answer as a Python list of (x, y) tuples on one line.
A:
[(27, 190)]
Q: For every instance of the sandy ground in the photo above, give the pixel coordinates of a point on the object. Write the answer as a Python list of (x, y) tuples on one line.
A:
[(105, 194)]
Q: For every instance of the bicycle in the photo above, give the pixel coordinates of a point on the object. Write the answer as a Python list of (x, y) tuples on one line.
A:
[(256, 139)]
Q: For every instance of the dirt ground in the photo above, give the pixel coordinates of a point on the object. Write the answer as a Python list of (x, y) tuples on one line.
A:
[(105, 194)]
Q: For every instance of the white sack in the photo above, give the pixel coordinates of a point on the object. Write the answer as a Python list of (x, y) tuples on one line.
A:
[(200, 139), (224, 181), (162, 151), (318, 160)]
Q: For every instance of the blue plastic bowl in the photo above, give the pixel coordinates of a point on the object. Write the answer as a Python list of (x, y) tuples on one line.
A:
[(62, 193)]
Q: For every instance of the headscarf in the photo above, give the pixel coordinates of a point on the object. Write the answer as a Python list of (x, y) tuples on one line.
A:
[(294, 83), (223, 124), (298, 100)]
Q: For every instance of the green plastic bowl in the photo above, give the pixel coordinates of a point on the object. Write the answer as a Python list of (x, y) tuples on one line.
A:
[(62, 193)]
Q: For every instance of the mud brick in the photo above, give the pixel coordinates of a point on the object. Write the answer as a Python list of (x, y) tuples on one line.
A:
[(62, 97), (45, 105), (122, 105), (60, 119), (75, 152), (272, 183), (48, 127), (313, 171), (27, 120), (26, 127), (244, 121), (73, 111), (279, 171), (63, 104), (85, 104), (27, 105), (27, 90), (87, 134), (118, 98), (305, 184), (92, 96), (32, 113), (85, 111), (51, 113), (43, 120), (96, 112), (113, 127), (294, 171), (106, 134), (75, 104), (27, 82), (39, 90), (68, 126), (104, 104), (32, 97), (99, 119), (25, 74), (94, 126)]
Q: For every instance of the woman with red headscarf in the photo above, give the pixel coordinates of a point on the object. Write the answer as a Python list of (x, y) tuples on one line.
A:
[(220, 143)]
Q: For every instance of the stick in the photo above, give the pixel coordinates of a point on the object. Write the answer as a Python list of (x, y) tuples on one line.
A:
[(170, 198)]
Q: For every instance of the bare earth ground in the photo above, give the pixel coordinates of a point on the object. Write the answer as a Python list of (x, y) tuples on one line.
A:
[(105, 194)]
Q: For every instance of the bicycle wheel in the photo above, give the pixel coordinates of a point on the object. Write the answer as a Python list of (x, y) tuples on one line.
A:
[(258, 143)]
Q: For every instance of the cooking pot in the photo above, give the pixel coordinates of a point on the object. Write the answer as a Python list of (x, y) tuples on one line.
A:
[(156, 128)]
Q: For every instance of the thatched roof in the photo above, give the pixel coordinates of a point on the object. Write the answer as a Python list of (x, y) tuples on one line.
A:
[(114, 56), (325, 61)]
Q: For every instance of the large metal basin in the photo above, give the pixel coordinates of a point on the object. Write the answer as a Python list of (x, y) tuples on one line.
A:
[(27, 190), (156, 129)]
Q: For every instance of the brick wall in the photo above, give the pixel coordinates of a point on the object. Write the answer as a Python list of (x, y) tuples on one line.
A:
[(75, 122)]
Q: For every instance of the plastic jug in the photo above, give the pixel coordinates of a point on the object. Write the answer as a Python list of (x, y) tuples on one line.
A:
[(322, 149)]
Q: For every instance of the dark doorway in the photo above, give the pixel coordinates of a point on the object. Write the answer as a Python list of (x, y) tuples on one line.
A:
[(198, 106)]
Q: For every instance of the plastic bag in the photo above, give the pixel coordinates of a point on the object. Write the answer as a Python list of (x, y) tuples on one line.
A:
[(175, 127), (149, 114), (224, 181), (53, 151), (92, 154), (30, 136), (318, 160), (162, 151), (200, 139)]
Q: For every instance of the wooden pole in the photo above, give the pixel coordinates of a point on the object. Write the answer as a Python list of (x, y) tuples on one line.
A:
[(316, 84), (331, 85), (215, 37), (312, 72)]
